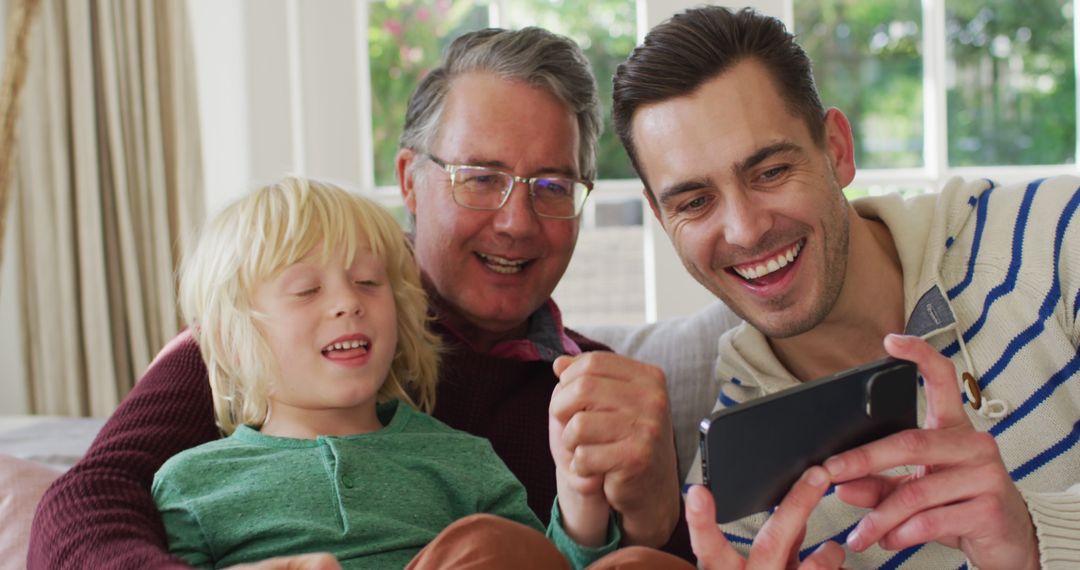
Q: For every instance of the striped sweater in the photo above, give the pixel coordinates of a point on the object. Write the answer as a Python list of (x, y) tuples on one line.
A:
[(992, 280)]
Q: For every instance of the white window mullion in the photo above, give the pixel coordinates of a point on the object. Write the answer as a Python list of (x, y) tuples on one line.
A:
[(935, 123), (496, 13), (363, 95), (296, 85)]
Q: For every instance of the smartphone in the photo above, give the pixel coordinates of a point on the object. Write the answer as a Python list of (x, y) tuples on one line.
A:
[(752, 453)]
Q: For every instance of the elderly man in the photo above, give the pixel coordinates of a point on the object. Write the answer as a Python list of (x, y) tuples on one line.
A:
[(496, 160), (744, 168)]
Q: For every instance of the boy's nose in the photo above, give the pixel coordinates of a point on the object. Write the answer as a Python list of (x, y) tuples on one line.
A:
[(350, 305)]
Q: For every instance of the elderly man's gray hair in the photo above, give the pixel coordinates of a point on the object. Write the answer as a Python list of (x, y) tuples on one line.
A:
[(533, 55)]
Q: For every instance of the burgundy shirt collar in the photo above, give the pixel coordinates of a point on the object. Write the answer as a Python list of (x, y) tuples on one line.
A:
[(546, 339)]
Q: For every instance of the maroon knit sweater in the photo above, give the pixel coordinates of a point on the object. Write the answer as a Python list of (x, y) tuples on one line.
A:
[(100, 514)]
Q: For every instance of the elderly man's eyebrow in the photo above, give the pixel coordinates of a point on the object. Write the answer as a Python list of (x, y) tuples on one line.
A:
[(563, 171)]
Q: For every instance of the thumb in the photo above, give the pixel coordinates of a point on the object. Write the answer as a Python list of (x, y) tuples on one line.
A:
[(710, 546), (562, 363)]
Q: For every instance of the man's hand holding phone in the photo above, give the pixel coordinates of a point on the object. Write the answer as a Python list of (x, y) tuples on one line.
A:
[(777, 543), (961, 495), (752, 453)]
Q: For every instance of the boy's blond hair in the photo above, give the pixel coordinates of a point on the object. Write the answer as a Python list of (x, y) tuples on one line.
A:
[(257, 236)]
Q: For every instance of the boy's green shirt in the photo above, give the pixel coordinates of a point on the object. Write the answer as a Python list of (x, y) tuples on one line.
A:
[(373, 500)]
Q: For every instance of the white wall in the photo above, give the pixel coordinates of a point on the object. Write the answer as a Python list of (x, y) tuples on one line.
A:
[(219, 40), (271, 100)]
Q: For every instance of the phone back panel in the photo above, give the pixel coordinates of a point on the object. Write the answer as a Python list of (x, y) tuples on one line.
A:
[(752, 453)]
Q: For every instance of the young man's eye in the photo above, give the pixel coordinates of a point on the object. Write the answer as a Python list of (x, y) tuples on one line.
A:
[(308, 292), (774, 172), (693, 205)]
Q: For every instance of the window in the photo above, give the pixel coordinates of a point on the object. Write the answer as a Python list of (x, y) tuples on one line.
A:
[(934, 89), (947, 87), (604, 283), (1011, 82), (405, 39), (866, 57)]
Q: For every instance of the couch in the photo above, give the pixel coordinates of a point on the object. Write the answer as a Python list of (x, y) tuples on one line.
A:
[(34, 450)]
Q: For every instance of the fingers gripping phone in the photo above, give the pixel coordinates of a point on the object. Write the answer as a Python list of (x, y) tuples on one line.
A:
[(752, 453)]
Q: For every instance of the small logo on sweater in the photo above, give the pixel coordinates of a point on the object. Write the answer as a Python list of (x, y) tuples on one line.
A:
[(931, 313), (933, 317)]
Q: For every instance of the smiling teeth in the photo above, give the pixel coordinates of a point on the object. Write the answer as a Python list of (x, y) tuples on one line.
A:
[(766, 267), (501, 264), (346, 345)]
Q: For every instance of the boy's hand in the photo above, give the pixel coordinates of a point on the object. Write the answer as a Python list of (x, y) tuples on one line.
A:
[(613, 426)]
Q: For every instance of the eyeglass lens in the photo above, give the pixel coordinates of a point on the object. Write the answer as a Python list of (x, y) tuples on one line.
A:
[(486, 189)]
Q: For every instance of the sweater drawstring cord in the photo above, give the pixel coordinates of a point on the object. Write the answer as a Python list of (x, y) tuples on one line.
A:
[(969, 384)]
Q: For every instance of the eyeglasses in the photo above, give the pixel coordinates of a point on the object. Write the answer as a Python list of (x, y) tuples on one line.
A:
[(482, 188)]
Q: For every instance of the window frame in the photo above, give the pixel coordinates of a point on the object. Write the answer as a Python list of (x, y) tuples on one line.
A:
[(271, 122)]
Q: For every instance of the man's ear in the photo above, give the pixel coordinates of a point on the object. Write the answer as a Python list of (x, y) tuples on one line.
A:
[(406, 182), (839, 146)]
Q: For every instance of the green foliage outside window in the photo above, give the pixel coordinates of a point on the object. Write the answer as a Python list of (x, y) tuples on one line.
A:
[(406, 38), (868, 63), (1011, 88), (606, 32), (1012, 98)]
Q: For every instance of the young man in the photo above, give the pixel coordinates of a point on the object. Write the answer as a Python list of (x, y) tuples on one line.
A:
[(523, 105), (744, 168)]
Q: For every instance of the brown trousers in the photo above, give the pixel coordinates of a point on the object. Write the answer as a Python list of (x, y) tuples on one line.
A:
[(482, 542)]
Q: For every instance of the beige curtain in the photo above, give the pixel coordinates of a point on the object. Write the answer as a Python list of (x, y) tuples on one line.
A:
[(108, 185)]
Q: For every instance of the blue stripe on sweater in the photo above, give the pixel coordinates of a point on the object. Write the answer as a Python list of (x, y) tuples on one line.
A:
[(725, 400), (897, 559), (1051, 299), (901, 557), (980, 224), (1044, 391), (736, 539), (1052, 452), (840, 537), (1009, 284)]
